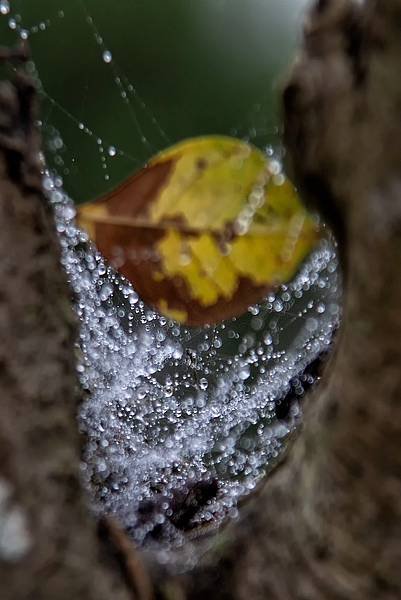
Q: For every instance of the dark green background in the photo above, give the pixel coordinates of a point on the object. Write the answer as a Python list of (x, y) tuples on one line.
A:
[(199, 67)]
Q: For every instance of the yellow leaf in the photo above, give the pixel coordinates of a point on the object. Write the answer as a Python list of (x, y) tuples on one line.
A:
[(206, 228)]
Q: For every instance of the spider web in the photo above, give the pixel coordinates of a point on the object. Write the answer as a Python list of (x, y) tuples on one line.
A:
[(167, 406)]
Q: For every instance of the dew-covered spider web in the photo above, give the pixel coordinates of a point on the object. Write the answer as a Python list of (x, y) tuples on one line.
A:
[(180, 423)]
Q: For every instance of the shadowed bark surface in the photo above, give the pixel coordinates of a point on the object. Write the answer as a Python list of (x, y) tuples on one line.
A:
[(327, 523), (48, 544)]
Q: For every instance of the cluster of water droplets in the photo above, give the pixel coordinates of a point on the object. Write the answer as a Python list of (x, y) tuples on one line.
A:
[(16, 24), (166, 406)]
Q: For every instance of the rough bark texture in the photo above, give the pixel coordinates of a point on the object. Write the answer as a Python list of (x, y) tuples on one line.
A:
[(48, 544), (327, 523)]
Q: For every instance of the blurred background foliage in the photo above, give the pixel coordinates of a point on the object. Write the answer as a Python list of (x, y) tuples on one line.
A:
[(195, 66)]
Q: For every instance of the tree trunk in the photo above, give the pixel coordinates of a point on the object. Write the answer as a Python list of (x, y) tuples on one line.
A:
[(327, 523), (48, 544)]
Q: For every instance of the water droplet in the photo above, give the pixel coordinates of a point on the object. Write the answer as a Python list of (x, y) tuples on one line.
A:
[(312, 324), (4, 7), (203, 383), (279, 179), (274, 167), (244, 373), (106, 291), (107, 56), (111, 150), (69, 212), (268, 340)]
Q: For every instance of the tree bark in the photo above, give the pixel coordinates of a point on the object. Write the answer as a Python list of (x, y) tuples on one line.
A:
[(327, 523), (48, 543)]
